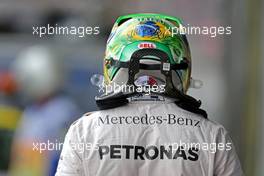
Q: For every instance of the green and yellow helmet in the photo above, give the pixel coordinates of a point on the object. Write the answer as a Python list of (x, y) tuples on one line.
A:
[(135, 32)]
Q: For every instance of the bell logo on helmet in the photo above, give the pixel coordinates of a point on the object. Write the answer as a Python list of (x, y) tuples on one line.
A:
[(146, 45)]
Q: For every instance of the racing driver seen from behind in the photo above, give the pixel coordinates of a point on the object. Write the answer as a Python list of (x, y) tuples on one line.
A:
[(147, 125)]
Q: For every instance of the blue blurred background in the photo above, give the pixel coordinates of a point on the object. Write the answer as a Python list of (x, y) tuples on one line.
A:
[(230, 66)]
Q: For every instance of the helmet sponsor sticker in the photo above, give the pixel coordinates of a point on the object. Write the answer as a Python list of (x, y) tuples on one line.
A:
[(146, 45)]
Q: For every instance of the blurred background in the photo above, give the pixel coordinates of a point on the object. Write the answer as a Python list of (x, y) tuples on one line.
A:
[(230, 66)]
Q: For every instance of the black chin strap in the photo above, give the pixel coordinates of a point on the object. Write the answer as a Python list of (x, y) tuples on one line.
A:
[(113, 100), (181, 66), (119, 99)]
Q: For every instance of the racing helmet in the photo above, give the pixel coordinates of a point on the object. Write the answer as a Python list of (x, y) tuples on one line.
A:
[(153, 37), (152, 45), (38, 72)]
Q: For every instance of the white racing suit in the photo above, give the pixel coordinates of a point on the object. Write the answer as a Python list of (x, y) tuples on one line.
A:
[(147, 138)]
